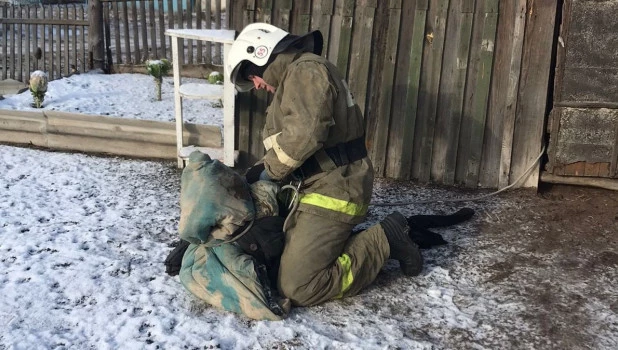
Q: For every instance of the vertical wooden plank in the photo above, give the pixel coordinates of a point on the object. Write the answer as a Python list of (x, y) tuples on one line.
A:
[(152, 25), (481, 94), (228, 14), (66, 41), (283, 15), (162, 40), (96, 32), (34, 33), (322, 12), (117, 32), (137, 57), (218, 47), (413, 82), (376, 69), (58, 51), (108, 60), (243, 12), (243, 127), (510, 108), (74, 39), (264, 11), (229, 129), (452, 87), (490, 163), (380, 141), (5, 48), (84, 49), (362, 40), (198, 25), (20, 64), (396, 131), (429, 90), (208, 45), (46, 44), (534, 84), (301, 20), (28, 52), (345, 37), (170, 16), (249, 13), (10, 31), (511, 95), (474, 67), (176, 67), (189, 25), (144, 30), (127, 36), (179, 16), (335, 32)]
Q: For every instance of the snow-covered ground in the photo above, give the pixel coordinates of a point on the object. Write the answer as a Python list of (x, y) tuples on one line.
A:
[(83, 240), (119, 95), (82, 245)]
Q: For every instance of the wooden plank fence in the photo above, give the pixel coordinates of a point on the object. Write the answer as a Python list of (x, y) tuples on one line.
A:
[(55, 37), (453, 92), (43, 37), (136, 30)]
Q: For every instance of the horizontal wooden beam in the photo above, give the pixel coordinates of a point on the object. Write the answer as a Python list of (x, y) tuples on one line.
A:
[(610, 184), (70, 22), (98, 134), (611, 105)]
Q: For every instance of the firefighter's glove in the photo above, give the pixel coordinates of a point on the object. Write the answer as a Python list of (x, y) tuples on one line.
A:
[(173, 262), (255, 173)]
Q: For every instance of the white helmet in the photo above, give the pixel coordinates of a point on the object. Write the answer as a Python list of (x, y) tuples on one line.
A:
[(256, 44)]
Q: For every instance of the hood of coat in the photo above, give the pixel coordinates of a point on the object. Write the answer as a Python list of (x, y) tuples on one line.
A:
[(276, 70)]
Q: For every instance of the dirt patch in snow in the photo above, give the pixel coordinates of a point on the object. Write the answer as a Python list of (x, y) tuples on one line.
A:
[(531, 270), (560, 253)]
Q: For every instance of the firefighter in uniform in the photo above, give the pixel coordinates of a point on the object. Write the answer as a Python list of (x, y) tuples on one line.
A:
[(314, 133)]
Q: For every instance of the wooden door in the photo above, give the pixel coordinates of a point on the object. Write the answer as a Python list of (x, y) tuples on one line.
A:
[(583, 126)]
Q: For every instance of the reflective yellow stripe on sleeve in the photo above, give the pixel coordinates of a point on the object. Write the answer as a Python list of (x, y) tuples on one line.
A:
[(346, 278), (338, 205)]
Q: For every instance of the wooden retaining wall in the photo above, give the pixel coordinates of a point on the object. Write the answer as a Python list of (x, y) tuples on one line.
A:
[(88, 133)]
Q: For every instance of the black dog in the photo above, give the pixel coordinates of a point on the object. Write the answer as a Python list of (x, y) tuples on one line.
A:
[(425, 238)]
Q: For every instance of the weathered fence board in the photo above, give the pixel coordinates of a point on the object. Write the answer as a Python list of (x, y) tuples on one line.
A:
[(534, 79), (430, 88), (362, 40), (379, 150), (452, 87)]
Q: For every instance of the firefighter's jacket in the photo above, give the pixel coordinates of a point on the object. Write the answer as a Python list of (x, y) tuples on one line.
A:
[(313, 109)]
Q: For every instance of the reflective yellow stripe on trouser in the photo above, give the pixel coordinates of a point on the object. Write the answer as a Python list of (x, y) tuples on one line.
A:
[(347, 277), (334, 204), (322, 201)]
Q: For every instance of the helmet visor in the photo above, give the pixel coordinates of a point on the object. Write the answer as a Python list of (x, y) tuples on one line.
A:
[(241, 84)]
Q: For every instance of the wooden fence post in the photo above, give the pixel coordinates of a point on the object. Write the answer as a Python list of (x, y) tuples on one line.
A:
[(95, 35)]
